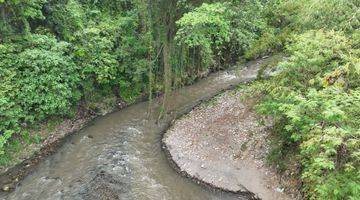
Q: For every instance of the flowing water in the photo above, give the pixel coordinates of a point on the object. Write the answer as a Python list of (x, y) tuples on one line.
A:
[(119, 156)]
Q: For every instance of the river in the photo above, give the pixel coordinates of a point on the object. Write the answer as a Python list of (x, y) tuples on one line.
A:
[(119, 156)]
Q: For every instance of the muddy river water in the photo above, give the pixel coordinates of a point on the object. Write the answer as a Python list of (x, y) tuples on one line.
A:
[(119, 156)]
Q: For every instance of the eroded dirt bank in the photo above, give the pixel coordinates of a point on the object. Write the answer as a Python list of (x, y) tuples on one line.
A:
[(223, 144)]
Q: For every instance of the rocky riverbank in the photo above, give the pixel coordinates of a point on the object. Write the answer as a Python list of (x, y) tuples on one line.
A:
[(221, 143)]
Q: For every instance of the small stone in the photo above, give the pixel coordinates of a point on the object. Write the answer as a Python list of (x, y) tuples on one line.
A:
[(6, 188), (203, 166), (281, 190)]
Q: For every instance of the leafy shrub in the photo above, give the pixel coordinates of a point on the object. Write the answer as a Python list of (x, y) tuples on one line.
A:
[(316, 100), (65, 18), (287, 17), (17, 13), (320, 59), (248, 23), (268, 43), (94, 54), (206, 28), (113, 54), (40, 80), (222, 32), (328, 14)]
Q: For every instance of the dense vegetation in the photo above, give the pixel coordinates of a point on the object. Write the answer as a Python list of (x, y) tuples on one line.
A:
[(314, 98), (58, 56)]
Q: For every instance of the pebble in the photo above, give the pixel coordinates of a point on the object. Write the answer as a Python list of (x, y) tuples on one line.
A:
[(215, 135), (6, 188), (281, 190)]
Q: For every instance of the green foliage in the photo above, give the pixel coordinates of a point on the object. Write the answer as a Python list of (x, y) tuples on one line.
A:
[(113, 53), (248, 24), (329, 14), (321, 59), (206, 28), (269, 42), (39, 80), (286, 17), (66, 17), (315, 99), (222, 31), (94, 54), (55, 53), (16, 13)]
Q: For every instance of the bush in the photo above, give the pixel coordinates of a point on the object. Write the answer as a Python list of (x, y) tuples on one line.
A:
[(316, 100), (222, 32), (339, 15), (40, 80), (205, 29), (111, 53)]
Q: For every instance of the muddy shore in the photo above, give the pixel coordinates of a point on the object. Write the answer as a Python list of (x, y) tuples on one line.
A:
[(222, 144)]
